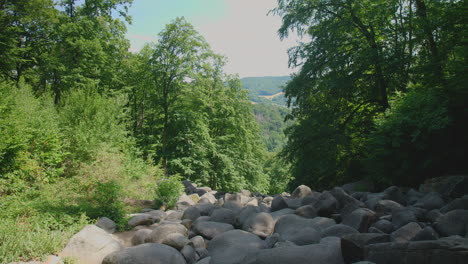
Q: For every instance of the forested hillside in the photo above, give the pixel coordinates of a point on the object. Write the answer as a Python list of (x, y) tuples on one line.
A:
[(266, 90)]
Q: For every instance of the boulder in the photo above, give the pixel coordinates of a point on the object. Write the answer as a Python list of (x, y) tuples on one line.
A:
[(358, 186), (140, 236), (406, 232), (307, 211), (160, 233), (192, 213), (344, 199), (360, 219), (232, 246), (352, 245), (384, 207), (146, 254), (384, 226), (198, 242), (189, 187), (206, 260), (189, 254), (108, 225), (301, 192), (403, 216), (418, 252), (338, 231), (245, 213), (326, 204), (174, 215), (327, 252), (223, 215), (141, 219), (209, 229), (90, 245), (207, 198), (320, 223), (431, 201), (280, 213), (452, 223), (310, 199), (261, 224), (459, 203), (433, 215), (278, 203), (448, 186), (395, 194), (293, 203), (158, 215), (176, 240), (205, 208), (270, 241), (427, 233)]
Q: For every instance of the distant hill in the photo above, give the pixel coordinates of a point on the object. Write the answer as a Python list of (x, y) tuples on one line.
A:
[(269, 107), (267, 90)]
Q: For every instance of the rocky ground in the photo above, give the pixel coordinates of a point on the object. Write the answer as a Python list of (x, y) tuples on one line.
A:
[(342, 225)]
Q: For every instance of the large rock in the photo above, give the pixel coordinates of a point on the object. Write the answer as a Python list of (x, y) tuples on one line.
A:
[(406, 232), (141, 219), (278, 203), (448, 187), (427, 233), (207, 198), (403, 216), (345, 199), (360, 219), (189, 187), (245, 213), (146, 254), (189, 254), (163, 231), (223, 215), (91, 245), (176, 240), (338, 231), (384, 226), (293, 203), (140, 236), (301, 231), (453, 223), (106, 224), (301, 192), (280, 213), (307, 211), (327, 252), (210, 229), (261, 224), (205, 208), (198, 242), (431, 201), (385, 207), (326, 204), (453, 251), (459, 203), (310, 199), (359, 186), (395, 194), (192, 213), (232, 246), (352, 245)]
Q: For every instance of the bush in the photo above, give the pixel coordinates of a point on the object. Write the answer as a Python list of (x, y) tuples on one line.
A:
[(168, 191), (31, 144), (409, 142)]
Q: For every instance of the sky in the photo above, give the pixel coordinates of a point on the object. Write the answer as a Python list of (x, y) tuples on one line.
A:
[(241, 30)]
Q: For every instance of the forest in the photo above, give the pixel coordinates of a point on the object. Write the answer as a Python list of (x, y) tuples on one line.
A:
[(87, 127)]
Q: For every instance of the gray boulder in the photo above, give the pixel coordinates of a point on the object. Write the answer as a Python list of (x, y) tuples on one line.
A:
[(431, 201), (158, 215), (358, 186), (360, 219), (160, 233), (459, 203), (223, 215), (146, 254), (261, 224), (192, 213), (384, 207), (427, 233), (245, 213), (108, 225), (301, 192), (198, 242), (280, 213), (141, 219), (205, 208), (307, 211), (310, 199), (406, 232), (278, 203), (232, 246), (395, 194), (326, 204), (352, 245), (90, 245), (384, 226), (403, 216), (209, 229), (176, 240), (453, 223), (189, 254), (338, 231), (344, 199), (140, 236), (293, 203), (448, 186), (327, 252)]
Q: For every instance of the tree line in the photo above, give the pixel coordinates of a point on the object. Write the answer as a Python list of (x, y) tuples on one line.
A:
[(381, 90), (169, 104)]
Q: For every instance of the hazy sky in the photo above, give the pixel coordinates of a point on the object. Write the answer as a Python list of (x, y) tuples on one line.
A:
[(238, 29)]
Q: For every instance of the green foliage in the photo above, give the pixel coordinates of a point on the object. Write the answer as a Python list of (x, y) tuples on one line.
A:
[(168, 190), (407, 145), (271, 119), (279, 173), (31, 145)]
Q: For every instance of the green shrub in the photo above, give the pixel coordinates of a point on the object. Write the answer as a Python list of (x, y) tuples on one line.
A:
[(31, 144), (168, 191)]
